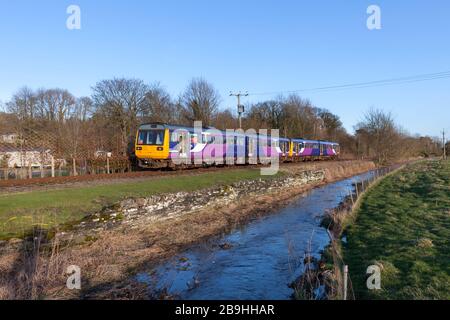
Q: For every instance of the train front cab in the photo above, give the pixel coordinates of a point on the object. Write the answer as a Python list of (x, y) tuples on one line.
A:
[(152, 145)]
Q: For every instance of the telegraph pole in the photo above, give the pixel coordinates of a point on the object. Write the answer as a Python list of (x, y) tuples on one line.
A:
[(444, 146), (240, 107)]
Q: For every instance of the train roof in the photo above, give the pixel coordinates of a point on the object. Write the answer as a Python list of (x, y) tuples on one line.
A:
[(328, 142), (305, 140), (160, 125), (314, 141)]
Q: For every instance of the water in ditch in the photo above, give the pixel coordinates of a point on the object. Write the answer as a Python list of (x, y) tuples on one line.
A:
[(257, 261)]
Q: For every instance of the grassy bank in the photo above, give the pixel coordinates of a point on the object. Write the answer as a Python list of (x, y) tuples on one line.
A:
[(19, 213), (110, 259), (403, 225)]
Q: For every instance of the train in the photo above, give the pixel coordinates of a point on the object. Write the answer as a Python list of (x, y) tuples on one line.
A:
[(158, 145)]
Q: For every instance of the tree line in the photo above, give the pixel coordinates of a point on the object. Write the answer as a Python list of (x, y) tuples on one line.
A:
[(107, 120)]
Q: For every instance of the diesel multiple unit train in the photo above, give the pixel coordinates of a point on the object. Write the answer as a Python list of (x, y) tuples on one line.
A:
[(157, 145)]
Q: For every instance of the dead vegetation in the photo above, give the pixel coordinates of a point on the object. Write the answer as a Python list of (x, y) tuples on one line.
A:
[(36, 269)]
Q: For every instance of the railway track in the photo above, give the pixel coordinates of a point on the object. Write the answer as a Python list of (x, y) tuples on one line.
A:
[(9, 186), (36, 182)]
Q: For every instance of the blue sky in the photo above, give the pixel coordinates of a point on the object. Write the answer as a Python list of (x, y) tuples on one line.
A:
[(254, 45)]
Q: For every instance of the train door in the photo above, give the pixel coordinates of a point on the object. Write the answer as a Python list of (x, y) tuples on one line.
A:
[(296, 152), (240, 150), (301, 148), (284, 148), (316, 150), (184, 144), (264, 149), (291, 149), (252, 150)]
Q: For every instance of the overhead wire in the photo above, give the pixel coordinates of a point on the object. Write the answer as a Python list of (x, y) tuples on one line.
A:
[(368, 84)]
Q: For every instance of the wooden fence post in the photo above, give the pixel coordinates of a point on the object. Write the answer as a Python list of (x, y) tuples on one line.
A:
[(30, 172), (53, 167), (74, 164)]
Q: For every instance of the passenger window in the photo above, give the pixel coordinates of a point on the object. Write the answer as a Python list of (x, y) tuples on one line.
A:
[(261, 141), (174, 137), (250, 145)]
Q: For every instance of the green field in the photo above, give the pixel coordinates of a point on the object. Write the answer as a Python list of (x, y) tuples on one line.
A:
[(19, 213), (403, 225)]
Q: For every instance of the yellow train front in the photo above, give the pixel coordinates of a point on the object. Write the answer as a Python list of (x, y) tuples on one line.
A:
[(152, 147)]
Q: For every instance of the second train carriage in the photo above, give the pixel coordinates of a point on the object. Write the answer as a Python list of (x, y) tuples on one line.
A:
[(157, 145)]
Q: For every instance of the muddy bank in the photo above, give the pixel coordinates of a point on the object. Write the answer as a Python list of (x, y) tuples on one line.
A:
[(324, 278), (138, 233)]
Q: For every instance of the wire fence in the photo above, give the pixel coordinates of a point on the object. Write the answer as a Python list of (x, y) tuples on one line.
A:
[(340, 285), (70, 150)]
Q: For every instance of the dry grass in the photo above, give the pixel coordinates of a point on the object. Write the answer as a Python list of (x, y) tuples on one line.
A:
[(36, 270)]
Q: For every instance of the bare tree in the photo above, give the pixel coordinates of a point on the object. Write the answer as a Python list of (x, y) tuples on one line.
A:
[(84, 108), (294, 117), (331, 123), (54, 104), (158, 106), (380, 133), (267, 114), (224, 120), (300, 118), (200, 101), (23, 104), (121, 100)]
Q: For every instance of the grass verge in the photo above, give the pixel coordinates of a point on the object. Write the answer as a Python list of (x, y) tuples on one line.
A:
[(20, 213), (403, 226)]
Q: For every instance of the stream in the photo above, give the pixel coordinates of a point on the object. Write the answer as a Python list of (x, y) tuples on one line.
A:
[(260, 259)]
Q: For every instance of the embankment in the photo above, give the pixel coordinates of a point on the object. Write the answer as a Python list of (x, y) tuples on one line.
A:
[(140, 232), (397, 224), (402, 228)]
